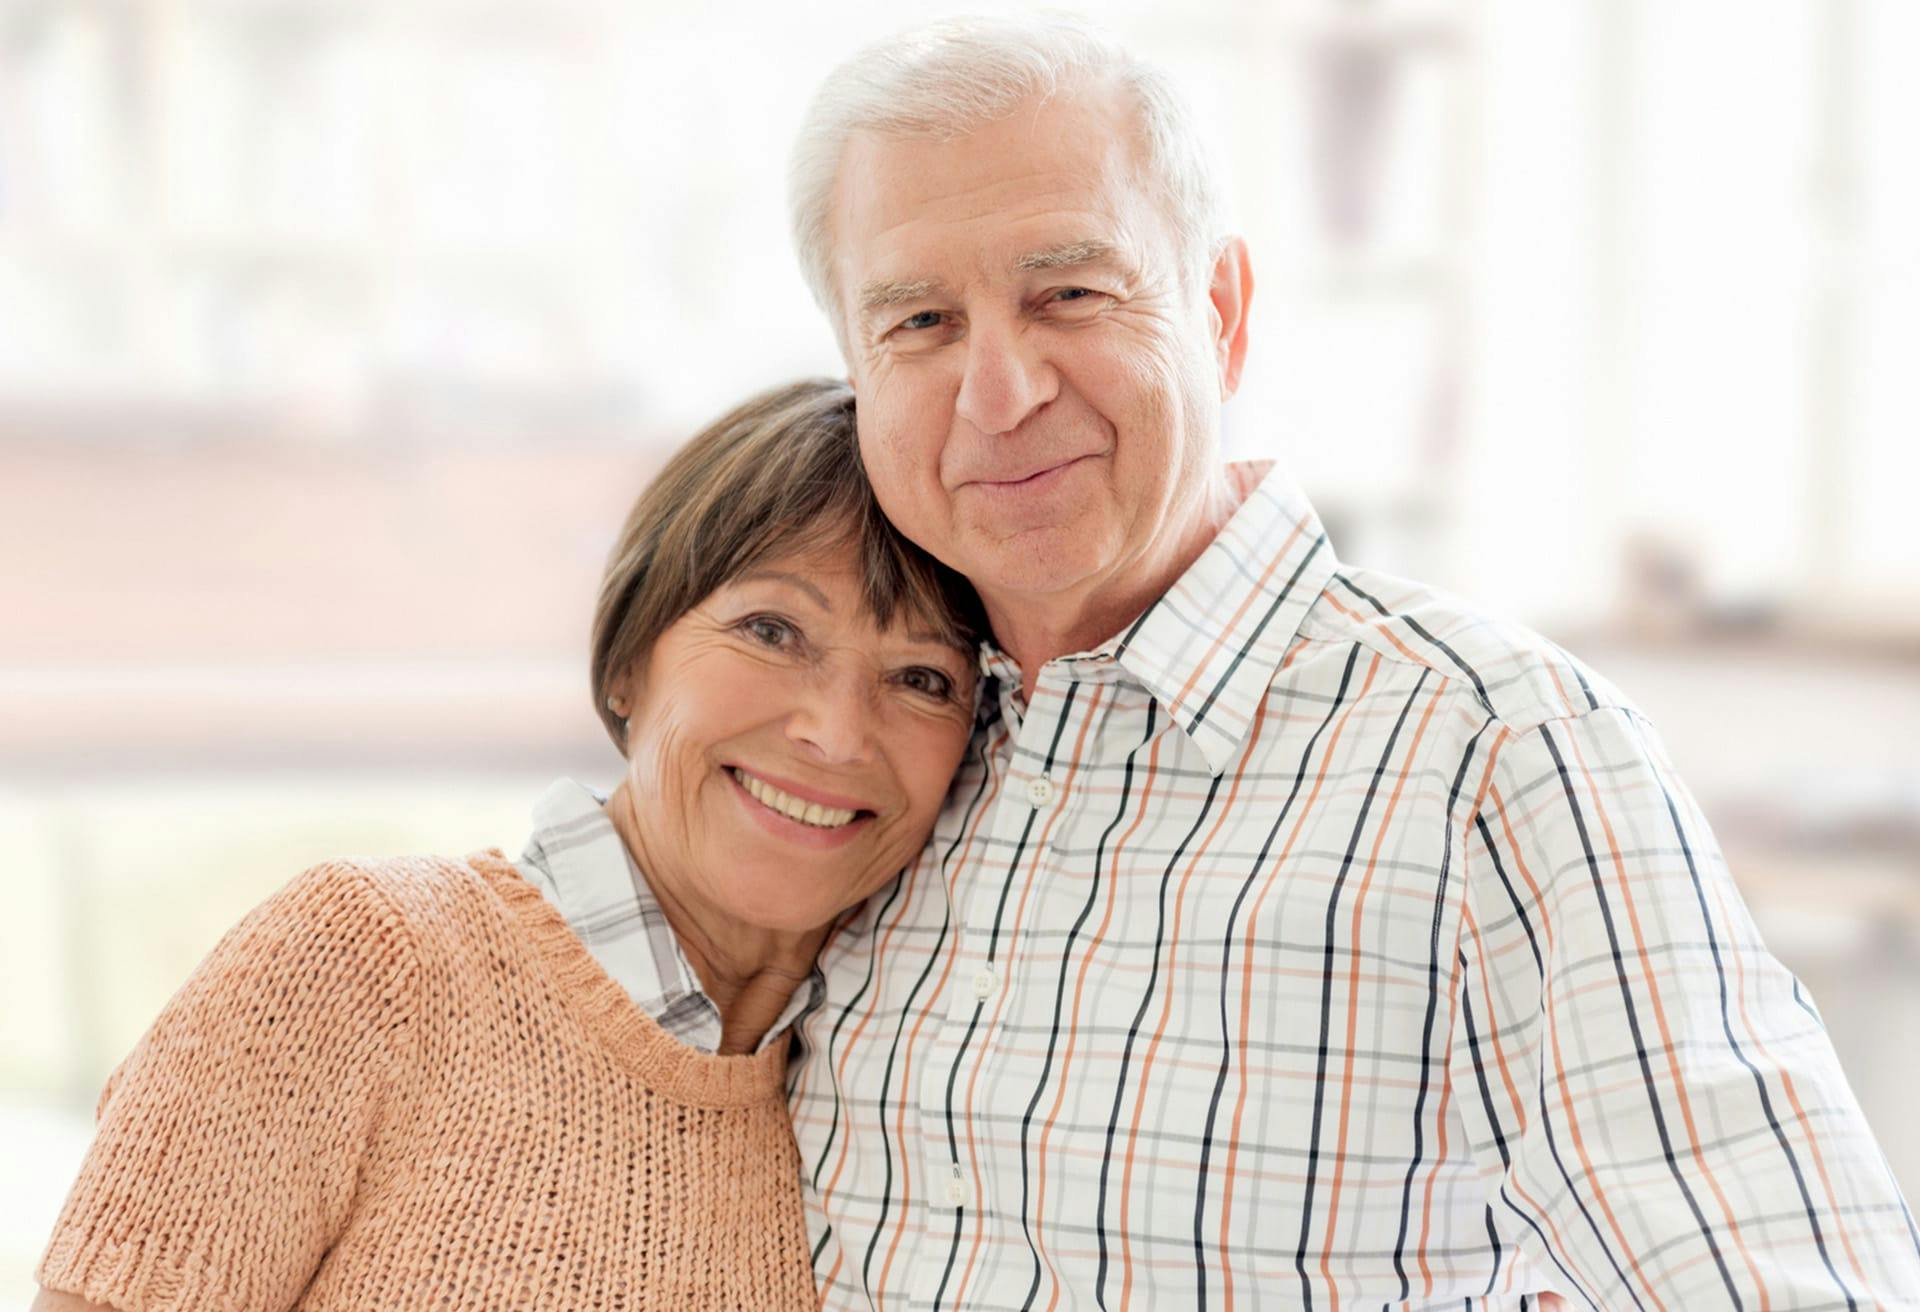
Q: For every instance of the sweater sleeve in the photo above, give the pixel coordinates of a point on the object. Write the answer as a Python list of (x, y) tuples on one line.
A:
[(230, 1139)]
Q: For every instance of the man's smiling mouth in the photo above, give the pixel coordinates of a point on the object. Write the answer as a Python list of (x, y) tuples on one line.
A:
[(1030, 478)]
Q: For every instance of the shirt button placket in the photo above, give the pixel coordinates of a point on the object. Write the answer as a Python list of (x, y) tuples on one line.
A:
[(953, 1185)]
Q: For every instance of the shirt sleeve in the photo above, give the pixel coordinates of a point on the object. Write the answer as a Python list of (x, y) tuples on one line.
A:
[(230, 1139), (1652, 1097)]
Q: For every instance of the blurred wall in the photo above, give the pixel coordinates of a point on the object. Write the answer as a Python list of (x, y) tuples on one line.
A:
[(336, 337)]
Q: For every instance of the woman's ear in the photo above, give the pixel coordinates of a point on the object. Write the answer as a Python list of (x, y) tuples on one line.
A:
[(619, 696)]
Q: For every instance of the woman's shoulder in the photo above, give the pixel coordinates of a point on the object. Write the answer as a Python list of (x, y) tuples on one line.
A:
[(355, 937), (400, 882), (410, 899), (368, 914), (376, 891)]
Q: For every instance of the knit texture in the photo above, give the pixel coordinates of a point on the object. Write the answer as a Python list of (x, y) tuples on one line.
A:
[(406, 1084)]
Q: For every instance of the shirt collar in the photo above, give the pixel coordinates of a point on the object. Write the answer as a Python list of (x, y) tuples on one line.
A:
[(1208, 648)]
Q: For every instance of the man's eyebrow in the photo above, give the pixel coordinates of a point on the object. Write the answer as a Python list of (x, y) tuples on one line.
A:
[(884, 293), (792, 580), (1067, 256)]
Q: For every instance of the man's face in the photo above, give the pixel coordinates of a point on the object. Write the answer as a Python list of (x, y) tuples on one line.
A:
[(1038, 386)]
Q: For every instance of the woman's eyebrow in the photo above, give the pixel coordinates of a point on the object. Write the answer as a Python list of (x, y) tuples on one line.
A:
[(792, 581), (966, 658)]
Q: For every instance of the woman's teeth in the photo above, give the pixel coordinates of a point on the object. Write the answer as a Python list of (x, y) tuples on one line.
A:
[(807, 813)]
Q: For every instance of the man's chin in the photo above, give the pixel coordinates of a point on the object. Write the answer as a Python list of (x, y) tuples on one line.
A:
[(1036, 565)]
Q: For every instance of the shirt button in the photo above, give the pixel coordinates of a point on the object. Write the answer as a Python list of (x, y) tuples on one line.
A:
[(956, 1187), (983, 983), (1040, 790)]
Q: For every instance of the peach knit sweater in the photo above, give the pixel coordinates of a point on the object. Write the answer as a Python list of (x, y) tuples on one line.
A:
[(406, 1084)]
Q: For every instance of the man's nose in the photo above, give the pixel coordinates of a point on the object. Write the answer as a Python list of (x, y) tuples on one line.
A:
[(1007, 378), (836, 720)]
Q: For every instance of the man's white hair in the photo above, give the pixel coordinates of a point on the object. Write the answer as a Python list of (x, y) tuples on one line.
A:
[(946, 79)]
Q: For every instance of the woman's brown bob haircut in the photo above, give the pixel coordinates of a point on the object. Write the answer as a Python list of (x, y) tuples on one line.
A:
[(780, 473)]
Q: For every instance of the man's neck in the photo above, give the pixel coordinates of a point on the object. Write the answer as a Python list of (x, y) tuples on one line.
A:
[(1035, 629)]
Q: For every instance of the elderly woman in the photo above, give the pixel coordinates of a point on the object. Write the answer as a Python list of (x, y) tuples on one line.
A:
[(432, 1083)]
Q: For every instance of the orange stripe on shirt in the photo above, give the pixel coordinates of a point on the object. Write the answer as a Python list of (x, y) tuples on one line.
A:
[(1812, 1141), (1159, 1033), (1650, 976), (1079, 992), (1374, 624), (1383, 825), (1228, 1168)]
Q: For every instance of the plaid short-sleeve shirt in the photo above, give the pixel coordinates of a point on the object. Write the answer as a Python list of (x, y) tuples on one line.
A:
[(1318, 942)]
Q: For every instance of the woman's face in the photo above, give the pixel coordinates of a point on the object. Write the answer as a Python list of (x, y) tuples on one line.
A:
[(786, 756)]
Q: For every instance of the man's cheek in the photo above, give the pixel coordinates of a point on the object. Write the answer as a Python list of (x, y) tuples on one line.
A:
[(899, 485), (901, 457)]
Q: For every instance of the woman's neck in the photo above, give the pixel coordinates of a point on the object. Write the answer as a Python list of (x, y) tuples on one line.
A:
[(749, 972)]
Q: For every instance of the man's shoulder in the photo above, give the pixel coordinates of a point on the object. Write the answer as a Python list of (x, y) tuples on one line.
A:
[(1516, 675)]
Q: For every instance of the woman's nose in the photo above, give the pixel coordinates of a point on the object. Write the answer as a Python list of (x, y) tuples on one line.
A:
[(835, 720)]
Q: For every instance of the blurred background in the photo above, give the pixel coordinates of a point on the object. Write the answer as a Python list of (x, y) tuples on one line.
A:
[(336, 337)]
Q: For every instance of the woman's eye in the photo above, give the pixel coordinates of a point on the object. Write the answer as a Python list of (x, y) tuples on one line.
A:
[(931, 682), (768, 630)]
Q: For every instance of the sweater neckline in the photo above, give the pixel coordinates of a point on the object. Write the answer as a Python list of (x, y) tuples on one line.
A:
[(669, 1066)]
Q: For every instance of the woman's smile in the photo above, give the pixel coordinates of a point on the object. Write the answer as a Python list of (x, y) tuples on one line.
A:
[(789, 816)]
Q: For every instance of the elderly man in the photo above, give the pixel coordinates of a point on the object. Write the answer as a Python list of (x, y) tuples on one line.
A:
[(1293, 936)]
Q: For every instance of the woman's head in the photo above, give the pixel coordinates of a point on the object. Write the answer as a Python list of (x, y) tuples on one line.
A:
[(790, 681), (779, 472)]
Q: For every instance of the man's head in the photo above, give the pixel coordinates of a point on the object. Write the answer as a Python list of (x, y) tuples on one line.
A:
[(1015, 232)]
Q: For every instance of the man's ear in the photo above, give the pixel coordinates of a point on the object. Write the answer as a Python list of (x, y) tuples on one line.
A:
[(1231, 291)]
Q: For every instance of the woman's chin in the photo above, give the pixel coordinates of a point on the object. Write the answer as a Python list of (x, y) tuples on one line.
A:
[(786, 901)]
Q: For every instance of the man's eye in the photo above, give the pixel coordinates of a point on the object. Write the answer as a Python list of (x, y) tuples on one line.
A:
[(1078, 297), (922, 320), (769, 630), (931, 682)]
